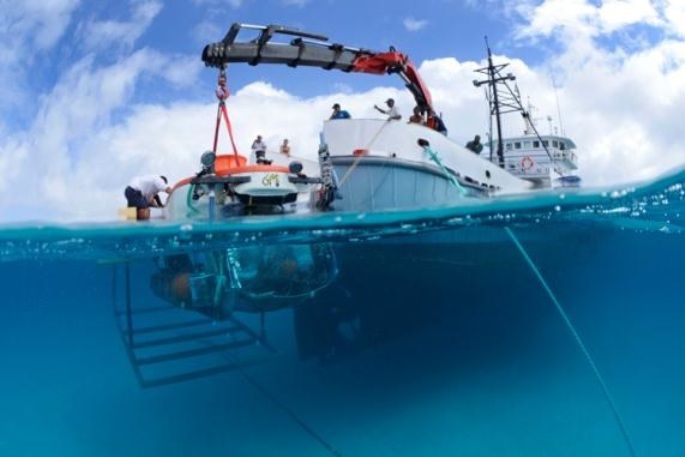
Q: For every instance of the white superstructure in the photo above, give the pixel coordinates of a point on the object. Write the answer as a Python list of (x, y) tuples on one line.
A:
[(538, 159)]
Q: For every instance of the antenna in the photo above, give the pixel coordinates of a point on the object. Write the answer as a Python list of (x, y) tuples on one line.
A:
[(528, 121), (556, 96)]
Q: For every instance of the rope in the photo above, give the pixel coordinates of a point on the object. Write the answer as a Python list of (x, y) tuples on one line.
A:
[(222, 93), (434, 157), (576, 336), (293, 415), (359, 158), (308, 429), (224, 110), (579, 342)]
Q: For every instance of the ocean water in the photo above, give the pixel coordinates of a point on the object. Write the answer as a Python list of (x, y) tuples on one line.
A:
[(425, 333)]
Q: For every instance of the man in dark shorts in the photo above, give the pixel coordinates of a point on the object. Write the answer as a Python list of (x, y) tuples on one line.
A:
[(142, 192)]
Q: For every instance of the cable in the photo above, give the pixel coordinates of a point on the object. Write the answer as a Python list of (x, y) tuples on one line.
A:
[(309, 430), (578, 340), (358, 159), (576, 336)]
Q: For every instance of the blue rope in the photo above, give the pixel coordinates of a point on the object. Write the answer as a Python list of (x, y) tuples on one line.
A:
[(434, 157), (576, 336), (579, 341)]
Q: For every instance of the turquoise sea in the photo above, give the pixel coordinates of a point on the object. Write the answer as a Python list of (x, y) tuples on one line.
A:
[(547, 325)]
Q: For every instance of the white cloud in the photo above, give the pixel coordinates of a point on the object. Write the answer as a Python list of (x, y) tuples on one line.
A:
[(80, 105), (109, 33), (673, 12), (206, 32), (299, 3), (34, 23), (585, 18), (414, 25), (342, 88), (232, 3), (615, 14), (620, 105), (28, 30)]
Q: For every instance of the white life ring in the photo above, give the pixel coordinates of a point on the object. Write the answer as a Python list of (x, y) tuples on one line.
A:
[(527, 163)]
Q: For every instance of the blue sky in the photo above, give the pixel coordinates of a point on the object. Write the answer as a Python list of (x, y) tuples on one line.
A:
[(98, 91), (439, 28)]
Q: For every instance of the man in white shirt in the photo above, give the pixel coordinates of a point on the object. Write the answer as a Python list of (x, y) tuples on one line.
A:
[(259, 150), (392, 111), (142, 191)]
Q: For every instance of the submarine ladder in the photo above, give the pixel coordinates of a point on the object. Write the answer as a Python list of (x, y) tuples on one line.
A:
[(166, 344)]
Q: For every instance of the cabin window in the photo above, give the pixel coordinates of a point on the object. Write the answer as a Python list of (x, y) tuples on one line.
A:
[(562, 145), (517, 145), (508, 146), (545, 143), (536, 144), (555, 143), (526, 144)]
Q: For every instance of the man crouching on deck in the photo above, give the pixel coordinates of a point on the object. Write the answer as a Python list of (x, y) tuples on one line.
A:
[(143, 192)]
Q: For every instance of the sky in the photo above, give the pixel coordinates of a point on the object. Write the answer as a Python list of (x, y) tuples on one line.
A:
[(94, 93)]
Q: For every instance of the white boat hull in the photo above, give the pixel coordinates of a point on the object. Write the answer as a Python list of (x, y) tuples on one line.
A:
[(380, 165)]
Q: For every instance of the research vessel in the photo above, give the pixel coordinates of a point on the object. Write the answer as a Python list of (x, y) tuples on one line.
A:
[(364, 164)]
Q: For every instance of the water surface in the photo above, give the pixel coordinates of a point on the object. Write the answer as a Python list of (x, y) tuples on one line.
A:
[(426, 333)]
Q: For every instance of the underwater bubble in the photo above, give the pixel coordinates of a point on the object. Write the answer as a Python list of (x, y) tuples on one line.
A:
[(454, 221)]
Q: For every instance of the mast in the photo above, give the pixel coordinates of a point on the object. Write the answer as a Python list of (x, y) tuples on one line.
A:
[(494, 80), (503, 99), (498, 114)]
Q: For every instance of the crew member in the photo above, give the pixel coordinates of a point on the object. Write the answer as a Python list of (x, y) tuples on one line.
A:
[(392, 112), (259, 150), (440, 126), (417, 116), (285, 148), (475, 145), (142, 192), (339, 113)]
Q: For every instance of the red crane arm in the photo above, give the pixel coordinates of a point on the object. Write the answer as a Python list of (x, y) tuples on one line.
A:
[(309, 49), (396, 62)]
